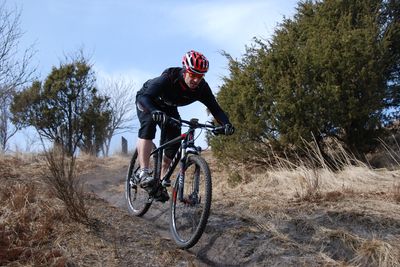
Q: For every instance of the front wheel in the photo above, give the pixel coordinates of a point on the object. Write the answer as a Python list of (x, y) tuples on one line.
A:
[(190, 208), (137, 198)]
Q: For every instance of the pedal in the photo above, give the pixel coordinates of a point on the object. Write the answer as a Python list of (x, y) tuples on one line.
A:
[(162, 195)]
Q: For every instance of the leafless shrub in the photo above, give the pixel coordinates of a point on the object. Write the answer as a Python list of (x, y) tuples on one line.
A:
[(64, 182), (121, 96), (15, 70)]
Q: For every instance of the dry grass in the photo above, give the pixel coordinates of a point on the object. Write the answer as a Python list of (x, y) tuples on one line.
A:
[(343, 218), (309, 179), (376, 253), (396, 192), (348, 216), (27, 220), (35, 227)]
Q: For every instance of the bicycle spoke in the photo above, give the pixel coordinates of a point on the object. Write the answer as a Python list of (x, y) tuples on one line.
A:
[(137, 198), (189, 215)]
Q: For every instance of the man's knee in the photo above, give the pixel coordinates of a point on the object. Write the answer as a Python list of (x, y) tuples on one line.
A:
[(171, 151)]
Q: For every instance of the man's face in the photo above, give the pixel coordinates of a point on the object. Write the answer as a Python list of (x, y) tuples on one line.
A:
[(192, 79)]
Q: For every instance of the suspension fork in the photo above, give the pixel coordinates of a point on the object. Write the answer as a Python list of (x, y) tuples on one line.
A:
[(183, 166), (182, 169), (195, 188), (181, 176)]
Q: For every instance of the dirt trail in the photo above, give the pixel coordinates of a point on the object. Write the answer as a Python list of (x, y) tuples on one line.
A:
[(288, 234), (228, 240)]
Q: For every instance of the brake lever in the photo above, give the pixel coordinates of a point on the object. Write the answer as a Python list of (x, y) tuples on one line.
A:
[(218, 130)]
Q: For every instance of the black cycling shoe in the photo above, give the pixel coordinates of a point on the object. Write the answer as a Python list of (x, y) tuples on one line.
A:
[(162, 195), (147, 181)]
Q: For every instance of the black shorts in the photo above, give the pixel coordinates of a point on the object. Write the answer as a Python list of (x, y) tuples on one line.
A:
[(147, 128)]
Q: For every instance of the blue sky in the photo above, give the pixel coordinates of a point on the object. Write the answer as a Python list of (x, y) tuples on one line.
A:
[(136, 40)]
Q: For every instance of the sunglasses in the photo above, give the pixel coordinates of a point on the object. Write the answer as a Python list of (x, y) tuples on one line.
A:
[(195, 75)]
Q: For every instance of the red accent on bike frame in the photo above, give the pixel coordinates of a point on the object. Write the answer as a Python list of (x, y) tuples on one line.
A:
[(183, 135), (174, 193)]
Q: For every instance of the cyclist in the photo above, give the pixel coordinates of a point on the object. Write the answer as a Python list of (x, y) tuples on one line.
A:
[(160, 97)]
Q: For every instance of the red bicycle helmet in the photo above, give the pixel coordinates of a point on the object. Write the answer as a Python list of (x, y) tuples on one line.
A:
[(195, 62)]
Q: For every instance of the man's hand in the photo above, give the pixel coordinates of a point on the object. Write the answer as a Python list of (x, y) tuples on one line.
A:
[(173, 122), (158, 116), (229, 129)]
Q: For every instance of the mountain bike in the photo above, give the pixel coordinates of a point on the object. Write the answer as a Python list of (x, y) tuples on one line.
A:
[(190, 200)]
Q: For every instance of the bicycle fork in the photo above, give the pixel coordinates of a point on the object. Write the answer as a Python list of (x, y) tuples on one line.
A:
[(181, 179), (192, 198)]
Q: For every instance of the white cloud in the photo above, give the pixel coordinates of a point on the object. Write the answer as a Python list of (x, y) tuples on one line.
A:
[(134, 76), (232, 25)]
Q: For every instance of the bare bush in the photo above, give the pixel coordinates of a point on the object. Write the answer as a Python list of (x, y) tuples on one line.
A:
[(15, 70), (65, 183), (121, 103)]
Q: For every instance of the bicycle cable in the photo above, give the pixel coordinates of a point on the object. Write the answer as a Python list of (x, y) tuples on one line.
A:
[(201, 130)]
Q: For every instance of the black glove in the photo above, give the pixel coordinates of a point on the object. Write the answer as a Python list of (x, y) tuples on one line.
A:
[(158, 116), (229, 129), (175, 123)]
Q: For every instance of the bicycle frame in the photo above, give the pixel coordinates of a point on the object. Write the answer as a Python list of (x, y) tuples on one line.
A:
[(195, 199), (187, 141)]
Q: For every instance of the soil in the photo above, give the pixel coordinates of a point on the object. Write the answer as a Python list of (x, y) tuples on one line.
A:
[(289, 232)]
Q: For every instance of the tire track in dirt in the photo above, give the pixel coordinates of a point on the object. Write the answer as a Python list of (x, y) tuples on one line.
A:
[(287, 233), (227, 240)]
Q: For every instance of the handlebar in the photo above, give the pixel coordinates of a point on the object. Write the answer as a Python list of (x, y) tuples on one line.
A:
[(195, 124)]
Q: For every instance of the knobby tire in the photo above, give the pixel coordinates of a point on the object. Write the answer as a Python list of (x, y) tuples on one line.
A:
[(188, 222), (141, 204)]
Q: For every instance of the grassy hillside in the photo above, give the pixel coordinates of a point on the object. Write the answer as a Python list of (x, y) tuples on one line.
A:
[(36, 230), (317, 216), (303, 216)]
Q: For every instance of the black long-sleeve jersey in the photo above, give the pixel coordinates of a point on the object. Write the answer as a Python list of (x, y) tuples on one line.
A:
[(170, 90)]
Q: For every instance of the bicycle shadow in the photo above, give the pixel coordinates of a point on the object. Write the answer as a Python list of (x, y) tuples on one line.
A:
[(158, 214), (212, 248), (221, 243), (202, 254), (209, 249)]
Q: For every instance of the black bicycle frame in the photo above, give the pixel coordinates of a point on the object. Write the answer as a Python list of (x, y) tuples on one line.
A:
[(180, 156)]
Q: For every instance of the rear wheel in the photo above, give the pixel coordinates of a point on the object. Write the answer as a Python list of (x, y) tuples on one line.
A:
[(137, 198), (189, 215)]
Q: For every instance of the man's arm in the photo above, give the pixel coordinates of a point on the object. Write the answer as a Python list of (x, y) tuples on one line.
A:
[(208, 99), (152, 89)]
